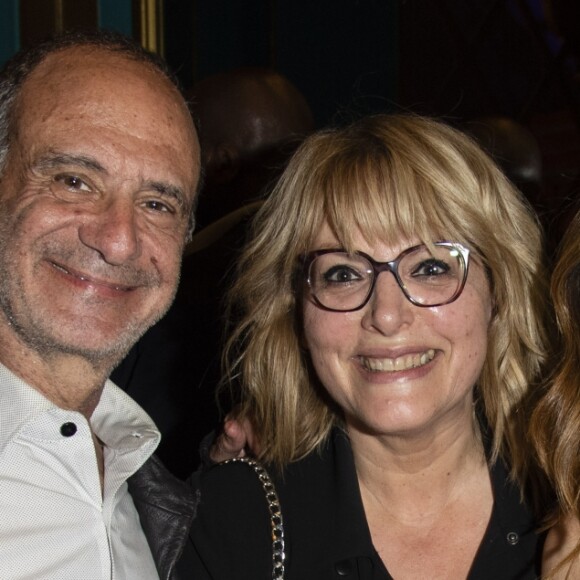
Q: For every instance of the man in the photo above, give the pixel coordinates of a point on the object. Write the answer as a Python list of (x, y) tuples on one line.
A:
[(99, 164), (250, 120)]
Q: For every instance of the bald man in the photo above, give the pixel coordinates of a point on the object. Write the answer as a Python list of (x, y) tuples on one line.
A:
[(99, 166)]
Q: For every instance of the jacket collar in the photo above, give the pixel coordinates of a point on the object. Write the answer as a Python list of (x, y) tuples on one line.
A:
[(167, 506)]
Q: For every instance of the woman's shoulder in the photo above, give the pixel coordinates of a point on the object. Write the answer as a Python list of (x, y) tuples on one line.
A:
[(236, 491), (232, 529), (236, 487)]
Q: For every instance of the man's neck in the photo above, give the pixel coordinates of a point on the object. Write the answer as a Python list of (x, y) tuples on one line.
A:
[(69, 381)]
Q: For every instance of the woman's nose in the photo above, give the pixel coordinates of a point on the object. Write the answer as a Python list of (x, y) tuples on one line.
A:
[(388, 308)]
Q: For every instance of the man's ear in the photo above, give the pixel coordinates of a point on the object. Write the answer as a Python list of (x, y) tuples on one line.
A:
[(224, 162)]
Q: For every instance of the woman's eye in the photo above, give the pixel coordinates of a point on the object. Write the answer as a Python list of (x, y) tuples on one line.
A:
[(431, 268), (72, 182), (341, 275)]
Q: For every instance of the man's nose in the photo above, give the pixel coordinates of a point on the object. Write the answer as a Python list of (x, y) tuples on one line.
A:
[(112, 231)]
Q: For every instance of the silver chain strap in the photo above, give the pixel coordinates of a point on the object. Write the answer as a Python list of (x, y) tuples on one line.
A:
[(276, 521)]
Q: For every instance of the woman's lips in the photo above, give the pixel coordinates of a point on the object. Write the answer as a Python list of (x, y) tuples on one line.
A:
[(401, 363)]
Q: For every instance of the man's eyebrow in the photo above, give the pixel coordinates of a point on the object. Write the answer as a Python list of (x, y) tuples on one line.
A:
[(53, 160), (169, 190)]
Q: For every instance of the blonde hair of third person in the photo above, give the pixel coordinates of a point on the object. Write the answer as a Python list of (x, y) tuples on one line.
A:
[(555, 423)]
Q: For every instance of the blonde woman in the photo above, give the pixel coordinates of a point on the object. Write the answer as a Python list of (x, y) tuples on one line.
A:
[(390, 305)]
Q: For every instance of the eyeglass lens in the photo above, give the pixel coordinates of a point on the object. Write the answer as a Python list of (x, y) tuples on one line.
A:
[(428, 276)]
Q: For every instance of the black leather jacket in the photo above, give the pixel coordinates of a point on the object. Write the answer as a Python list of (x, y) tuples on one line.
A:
[(166, 507)]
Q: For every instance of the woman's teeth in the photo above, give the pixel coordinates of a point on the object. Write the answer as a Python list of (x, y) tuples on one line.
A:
[(401, 363)]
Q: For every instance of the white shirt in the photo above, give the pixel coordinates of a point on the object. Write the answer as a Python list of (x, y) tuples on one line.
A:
[(55, 522)]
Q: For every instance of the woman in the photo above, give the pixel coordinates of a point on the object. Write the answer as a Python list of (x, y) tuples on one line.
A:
[(390, 305), (555, 424)]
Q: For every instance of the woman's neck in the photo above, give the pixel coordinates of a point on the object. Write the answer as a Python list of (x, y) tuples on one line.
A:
[(417, 475)]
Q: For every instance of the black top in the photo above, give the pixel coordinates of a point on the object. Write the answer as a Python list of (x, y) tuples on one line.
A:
[(326, 532)]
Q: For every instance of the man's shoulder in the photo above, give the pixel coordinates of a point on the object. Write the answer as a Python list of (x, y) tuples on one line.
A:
[(167, 507), (153, 484)]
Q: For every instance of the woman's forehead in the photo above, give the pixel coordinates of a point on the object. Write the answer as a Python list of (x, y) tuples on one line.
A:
[(352, 236), (383, 212)]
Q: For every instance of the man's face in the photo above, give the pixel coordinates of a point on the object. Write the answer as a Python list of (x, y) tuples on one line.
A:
[(94, 205)]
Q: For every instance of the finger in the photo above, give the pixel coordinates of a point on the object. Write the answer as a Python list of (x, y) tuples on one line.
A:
[(252, 441), (230, 443)]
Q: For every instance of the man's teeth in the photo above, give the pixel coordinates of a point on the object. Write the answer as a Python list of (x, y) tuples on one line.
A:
[(59, 267), (84, 278), (63, 269), (401, 363)]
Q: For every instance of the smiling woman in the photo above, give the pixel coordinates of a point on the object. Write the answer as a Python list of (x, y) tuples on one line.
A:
[(382, 360)]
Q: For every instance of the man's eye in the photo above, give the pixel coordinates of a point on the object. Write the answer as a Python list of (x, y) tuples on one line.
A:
[(159, 206), (72, 182)]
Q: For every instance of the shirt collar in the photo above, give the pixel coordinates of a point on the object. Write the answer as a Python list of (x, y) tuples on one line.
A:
[(118, 421)]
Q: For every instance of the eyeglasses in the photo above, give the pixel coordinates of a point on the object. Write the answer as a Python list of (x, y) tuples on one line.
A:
[(428, 275)]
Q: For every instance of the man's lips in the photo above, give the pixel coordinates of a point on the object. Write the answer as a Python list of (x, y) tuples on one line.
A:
[(92, 280)]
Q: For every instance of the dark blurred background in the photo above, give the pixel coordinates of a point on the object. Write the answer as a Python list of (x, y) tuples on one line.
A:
[(450, 58)]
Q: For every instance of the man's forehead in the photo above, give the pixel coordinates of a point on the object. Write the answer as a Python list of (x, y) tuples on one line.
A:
[(89, 82), (92, 63), (83, 87), (82, 100)]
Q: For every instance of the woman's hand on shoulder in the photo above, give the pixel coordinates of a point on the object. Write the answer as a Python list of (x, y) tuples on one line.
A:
[(562, 539), (237, 439)]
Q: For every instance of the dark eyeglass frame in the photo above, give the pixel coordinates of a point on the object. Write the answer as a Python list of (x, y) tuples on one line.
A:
[(390, 266)]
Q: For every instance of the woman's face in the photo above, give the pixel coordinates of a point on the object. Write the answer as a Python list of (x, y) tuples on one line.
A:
[(395, 368)]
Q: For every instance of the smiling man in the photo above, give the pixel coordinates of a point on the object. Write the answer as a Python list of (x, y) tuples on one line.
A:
[(98, 172)]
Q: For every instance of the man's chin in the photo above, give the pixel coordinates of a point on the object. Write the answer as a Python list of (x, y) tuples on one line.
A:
[(104, 350), (101, 338), (102, 357), (111, 347)]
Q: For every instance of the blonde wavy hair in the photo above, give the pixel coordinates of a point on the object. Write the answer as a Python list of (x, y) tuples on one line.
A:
[(389, 177), (555, 421)]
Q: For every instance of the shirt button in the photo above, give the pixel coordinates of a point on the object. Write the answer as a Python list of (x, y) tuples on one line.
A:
[(344, 568), (513, 538), (68, 429)]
